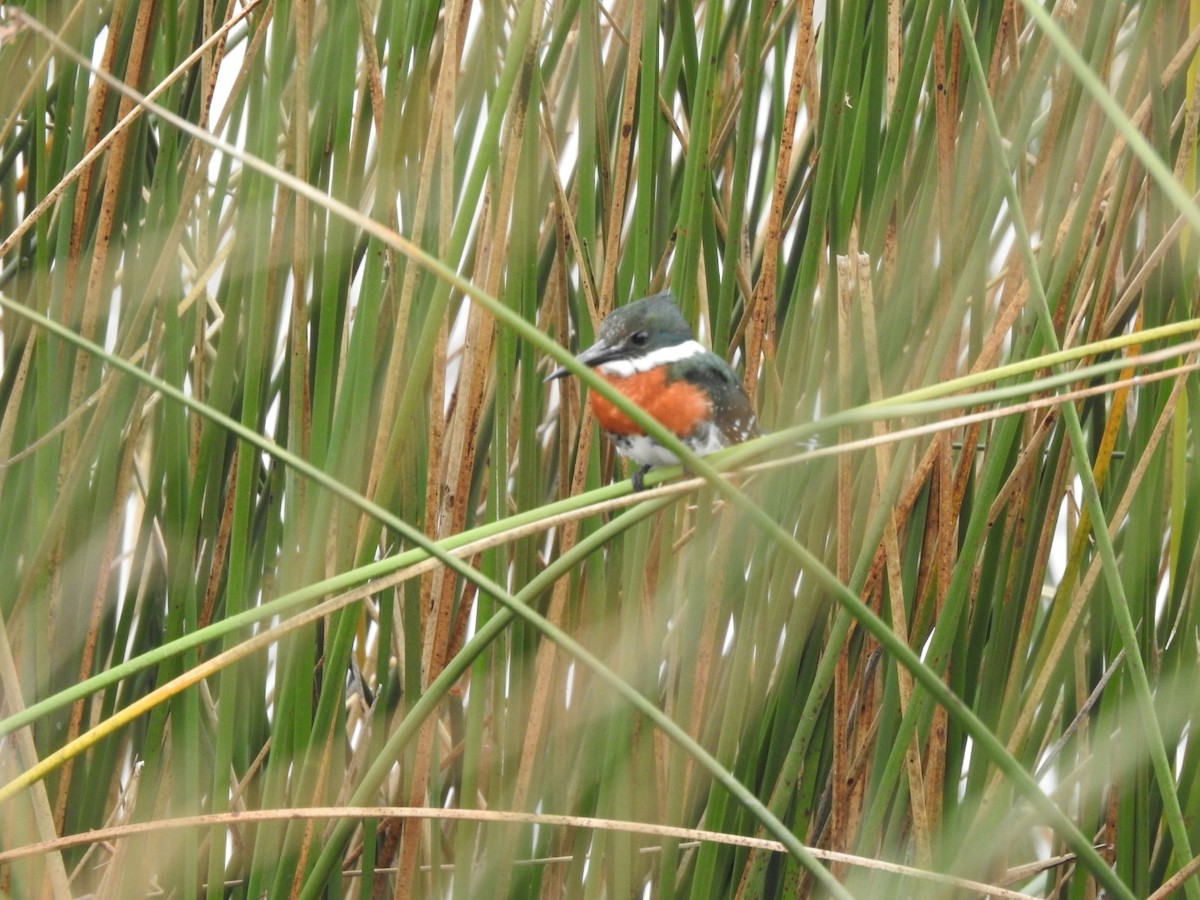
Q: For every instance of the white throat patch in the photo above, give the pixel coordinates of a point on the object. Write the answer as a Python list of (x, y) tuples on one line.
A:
[(624, 368)]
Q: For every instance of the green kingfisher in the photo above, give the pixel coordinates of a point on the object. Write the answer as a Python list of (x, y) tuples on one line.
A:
[(647, 352)]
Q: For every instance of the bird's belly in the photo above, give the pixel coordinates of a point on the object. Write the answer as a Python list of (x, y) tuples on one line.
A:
[(645, 451)]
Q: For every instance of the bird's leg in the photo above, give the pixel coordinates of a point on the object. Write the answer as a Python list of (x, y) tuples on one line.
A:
[(638, 484)]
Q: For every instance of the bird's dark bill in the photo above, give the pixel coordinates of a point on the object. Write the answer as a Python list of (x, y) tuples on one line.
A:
[(594, 355)]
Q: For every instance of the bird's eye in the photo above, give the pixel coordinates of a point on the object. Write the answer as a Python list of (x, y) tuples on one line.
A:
[(640, 338)]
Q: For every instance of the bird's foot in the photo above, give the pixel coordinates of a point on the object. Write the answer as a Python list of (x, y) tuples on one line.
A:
[(638, 483)]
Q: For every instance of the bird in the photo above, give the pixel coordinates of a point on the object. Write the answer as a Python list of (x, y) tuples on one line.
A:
[(647, 351)]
